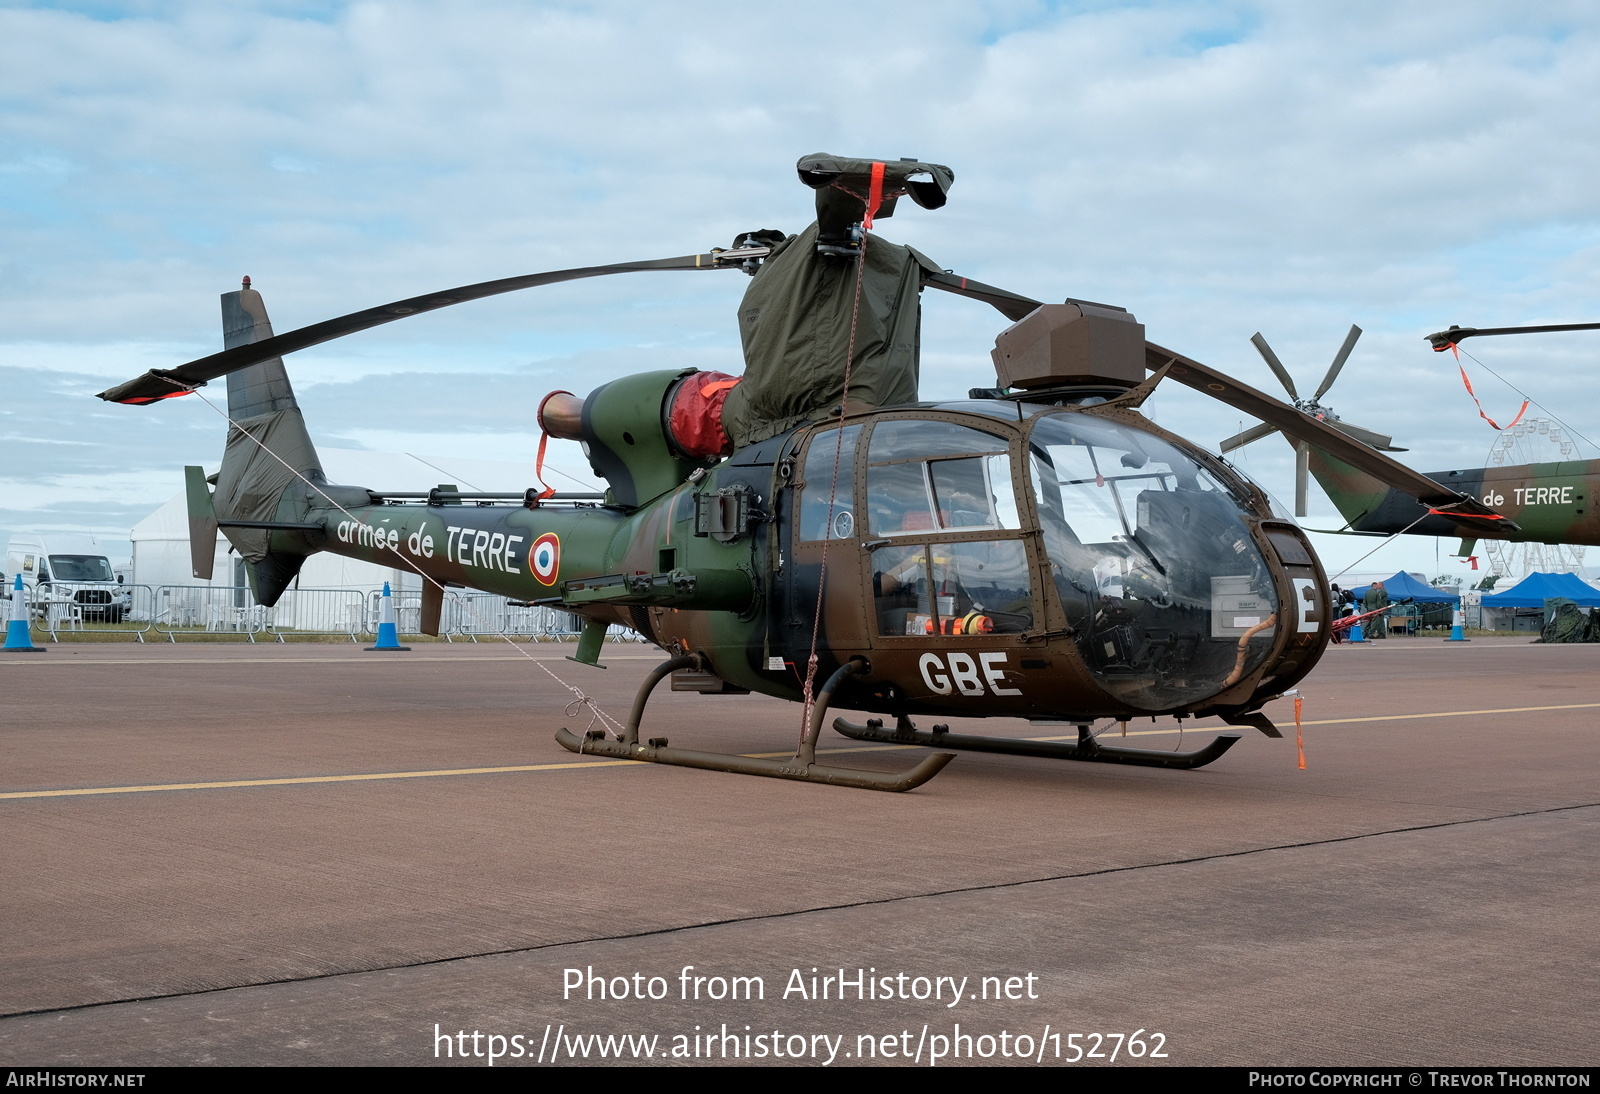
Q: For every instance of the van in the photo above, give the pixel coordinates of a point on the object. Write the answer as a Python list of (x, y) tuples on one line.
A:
[(68, 570)]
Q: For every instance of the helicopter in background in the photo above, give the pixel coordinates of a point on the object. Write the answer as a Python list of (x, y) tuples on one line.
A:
[(811, 531), (1546, 502)]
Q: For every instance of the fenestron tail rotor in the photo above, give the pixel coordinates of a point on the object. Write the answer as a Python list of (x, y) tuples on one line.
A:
[(1312, 407)]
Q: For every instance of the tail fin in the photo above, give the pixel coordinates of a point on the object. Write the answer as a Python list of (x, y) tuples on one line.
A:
[(268, 450)]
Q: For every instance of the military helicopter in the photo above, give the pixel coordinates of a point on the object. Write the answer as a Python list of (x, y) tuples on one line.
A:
[(1038, 550), (1546, 502)]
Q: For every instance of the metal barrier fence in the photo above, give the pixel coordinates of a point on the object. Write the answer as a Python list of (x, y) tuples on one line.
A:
[(207, 609), (178, 611), (472, 615), (320, 611), (78, 608)]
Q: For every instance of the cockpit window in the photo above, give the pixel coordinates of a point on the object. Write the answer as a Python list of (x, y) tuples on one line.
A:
[(1160, 578), (927, 476), (827, 501), (965, 587)]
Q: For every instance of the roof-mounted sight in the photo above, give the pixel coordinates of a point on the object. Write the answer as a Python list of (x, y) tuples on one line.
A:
[(1071, 345)]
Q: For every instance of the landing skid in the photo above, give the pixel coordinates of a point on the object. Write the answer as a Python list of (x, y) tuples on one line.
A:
[(1087, 749), (802, 766)]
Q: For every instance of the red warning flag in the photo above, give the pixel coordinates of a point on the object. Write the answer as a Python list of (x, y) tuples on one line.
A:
[(1468, 384)]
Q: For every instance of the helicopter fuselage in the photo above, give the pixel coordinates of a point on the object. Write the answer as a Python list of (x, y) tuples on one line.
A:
[(983, 558)]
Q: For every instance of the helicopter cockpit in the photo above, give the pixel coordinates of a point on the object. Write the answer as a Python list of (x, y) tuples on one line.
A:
[(1155, 570), (990, 522)]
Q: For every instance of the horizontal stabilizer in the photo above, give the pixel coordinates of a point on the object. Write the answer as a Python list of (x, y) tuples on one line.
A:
[(202, 523)]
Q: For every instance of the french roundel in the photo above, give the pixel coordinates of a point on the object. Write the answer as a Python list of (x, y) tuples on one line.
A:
[(544, 558)]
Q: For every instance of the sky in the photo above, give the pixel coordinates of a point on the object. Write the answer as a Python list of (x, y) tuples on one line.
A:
[(1216, 168)]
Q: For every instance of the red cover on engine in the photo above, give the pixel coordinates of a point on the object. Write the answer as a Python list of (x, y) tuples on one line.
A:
[(695, 420)]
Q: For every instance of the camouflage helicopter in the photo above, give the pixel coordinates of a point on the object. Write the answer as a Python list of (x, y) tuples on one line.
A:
[(1038, 550), (1545, 502)]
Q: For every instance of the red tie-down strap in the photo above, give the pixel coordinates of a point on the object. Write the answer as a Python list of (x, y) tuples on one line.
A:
[(538, 468), (1474, 394), (874, 196), (544, 443)]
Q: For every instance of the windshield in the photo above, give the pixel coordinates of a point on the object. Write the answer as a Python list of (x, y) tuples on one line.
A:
[(1159, 576), (80, 568)]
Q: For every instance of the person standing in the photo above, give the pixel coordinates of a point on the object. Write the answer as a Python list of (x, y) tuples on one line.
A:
[(1377, 597)]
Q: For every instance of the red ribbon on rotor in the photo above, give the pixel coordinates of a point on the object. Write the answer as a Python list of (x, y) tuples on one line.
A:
[(1468, 384)]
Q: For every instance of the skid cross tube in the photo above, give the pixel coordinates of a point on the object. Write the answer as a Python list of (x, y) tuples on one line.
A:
[(1086, 749), (801, 766)]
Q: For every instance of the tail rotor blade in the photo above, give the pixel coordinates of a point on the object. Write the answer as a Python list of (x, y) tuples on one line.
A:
[(1338, 362), (1254, 433), (1274, 364), (1302, 470)]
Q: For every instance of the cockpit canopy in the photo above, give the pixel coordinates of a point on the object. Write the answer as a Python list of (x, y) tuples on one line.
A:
[(1139, 545)]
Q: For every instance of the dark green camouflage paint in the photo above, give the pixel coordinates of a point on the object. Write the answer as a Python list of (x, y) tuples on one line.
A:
[(1549, 502)]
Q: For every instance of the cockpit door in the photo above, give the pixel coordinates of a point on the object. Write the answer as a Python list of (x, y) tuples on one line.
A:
[(824, 551)]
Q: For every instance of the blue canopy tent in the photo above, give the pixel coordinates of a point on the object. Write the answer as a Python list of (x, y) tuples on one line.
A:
[(1533, 590), (1403, 585)]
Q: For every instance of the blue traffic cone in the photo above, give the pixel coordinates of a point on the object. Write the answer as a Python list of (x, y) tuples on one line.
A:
[(1456, 634), (1357, 634), (388, 636), (17, 638)]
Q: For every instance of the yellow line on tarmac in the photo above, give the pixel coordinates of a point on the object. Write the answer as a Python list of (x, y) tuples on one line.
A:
[(306, 779), (79, 792), (379, 776), (1285, 723)]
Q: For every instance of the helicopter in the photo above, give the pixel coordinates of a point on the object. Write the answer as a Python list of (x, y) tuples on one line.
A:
[(811, 531), (1547, 502)]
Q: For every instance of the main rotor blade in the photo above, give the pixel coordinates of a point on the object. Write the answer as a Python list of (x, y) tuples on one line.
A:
[(163, 383), (1274, 364), (1254, 433), (1338, 362), (1382, 442), (1444, 339), (1467, 512), (1008, 304)]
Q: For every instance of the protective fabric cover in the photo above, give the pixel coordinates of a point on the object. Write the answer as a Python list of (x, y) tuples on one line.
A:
[(251, 483), (261, 401), (695, 418), (1569, 623), (794, 322), (845, 188)]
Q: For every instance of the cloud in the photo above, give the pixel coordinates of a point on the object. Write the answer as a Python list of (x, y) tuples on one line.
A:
[(1218, 168)]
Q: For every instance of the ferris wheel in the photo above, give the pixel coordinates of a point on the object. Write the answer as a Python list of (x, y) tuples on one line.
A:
[(1535, 440)]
